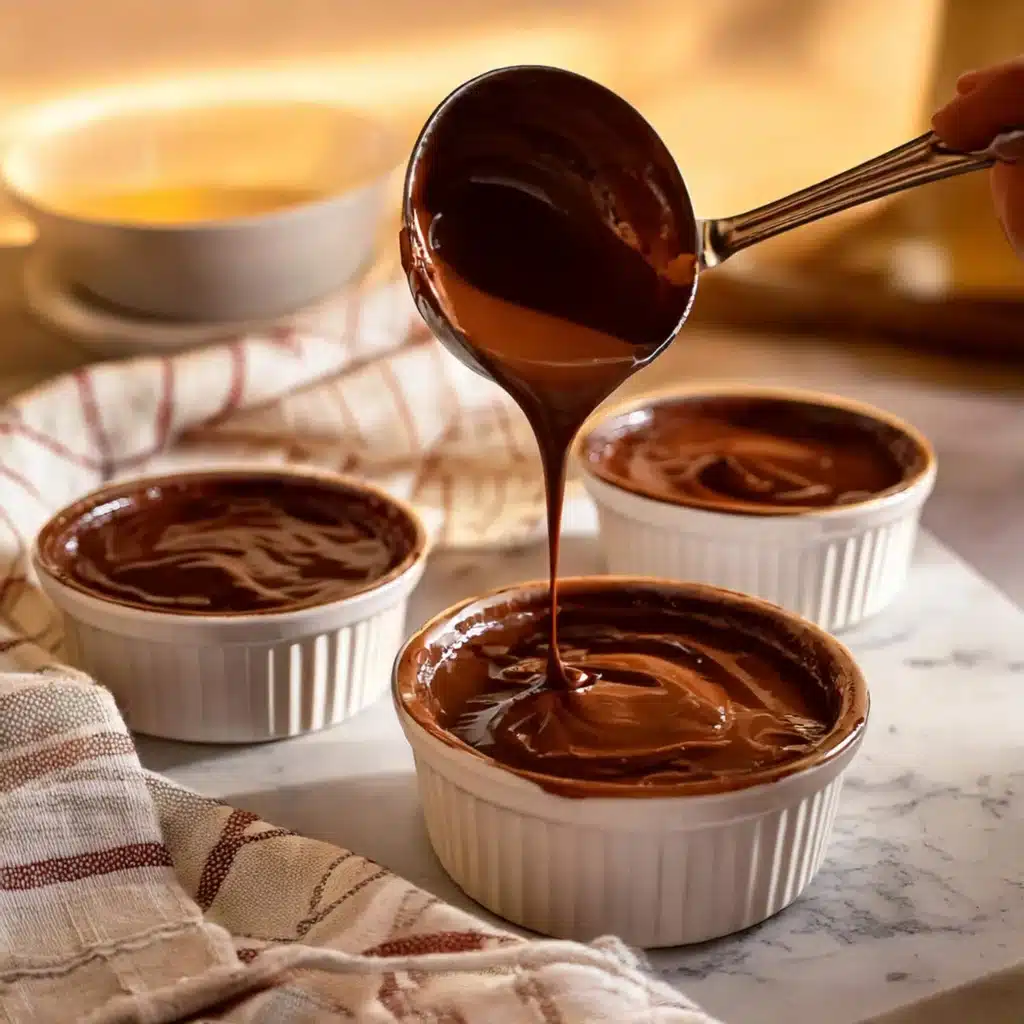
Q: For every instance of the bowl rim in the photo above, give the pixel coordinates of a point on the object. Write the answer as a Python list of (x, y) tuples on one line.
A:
[(72, 597), (846, 739), (29, 144), (920, 482)]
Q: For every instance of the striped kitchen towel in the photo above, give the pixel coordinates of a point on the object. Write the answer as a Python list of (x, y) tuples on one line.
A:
[(127, 900)]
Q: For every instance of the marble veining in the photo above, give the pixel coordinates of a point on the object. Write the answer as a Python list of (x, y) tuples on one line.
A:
[(926, 849), (923, 885)]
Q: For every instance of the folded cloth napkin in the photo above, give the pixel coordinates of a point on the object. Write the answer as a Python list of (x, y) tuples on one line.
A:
[(124, 898)]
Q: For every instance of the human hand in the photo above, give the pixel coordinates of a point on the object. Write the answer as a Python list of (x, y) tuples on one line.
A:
[(988, 102)]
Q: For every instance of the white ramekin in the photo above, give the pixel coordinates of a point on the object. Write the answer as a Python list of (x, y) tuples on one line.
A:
[(239, 678), (655, 871), (834, 566)]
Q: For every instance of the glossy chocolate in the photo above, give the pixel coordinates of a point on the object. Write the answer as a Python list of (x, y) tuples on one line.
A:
[(753, 454), (221, 544), (687, 689), (540, 260), (544, 264)]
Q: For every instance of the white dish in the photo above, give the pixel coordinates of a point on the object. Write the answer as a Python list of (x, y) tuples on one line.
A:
[(834, 566), (237, 678), (240, 268), (656, 870), (106, 332)]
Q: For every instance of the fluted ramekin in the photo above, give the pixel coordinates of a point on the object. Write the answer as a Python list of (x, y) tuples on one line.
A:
[(659, 870), (834, 566), (238, 678)]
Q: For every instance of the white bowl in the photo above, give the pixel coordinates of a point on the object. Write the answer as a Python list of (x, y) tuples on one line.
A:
[(834, 566), (237, 678), (654, 870), (235, 268)]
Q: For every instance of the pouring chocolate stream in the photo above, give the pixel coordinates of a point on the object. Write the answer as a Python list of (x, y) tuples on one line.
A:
[(542, 280), (550, 244)]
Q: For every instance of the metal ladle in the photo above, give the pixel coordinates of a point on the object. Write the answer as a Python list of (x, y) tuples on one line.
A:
[(585, 150)]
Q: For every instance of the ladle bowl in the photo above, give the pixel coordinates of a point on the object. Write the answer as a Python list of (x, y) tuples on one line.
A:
[(585, 151)]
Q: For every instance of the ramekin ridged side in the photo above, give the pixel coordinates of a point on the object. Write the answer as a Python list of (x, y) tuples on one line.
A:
[(655, 871), (242, 692), (239, 678), (835, 567), (834, 572), (675, 867)]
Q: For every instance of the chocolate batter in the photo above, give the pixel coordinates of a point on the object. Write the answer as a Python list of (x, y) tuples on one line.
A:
[(557, 286), (753, 455), (225, 543), (689, 690)]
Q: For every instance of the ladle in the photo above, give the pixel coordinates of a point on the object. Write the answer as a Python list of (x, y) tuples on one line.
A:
[(586, 152)]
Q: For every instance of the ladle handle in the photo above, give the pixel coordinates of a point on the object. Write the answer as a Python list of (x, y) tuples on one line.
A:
[(916, 162)]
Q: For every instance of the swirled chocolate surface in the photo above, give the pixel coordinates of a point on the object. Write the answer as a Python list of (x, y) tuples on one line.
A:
[(753, 454), (678, 687), (224, 543)]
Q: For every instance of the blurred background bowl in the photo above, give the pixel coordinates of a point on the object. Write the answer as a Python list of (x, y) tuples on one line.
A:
[(207, 212)]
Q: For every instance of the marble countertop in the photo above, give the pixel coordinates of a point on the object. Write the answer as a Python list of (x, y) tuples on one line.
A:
[(922, 888)]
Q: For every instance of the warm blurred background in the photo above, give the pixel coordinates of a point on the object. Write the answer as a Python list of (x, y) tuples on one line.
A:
[(755, 97)]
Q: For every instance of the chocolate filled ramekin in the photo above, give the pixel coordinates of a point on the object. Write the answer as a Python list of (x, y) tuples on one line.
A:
[(234, 605), (678, 844), (807, 500)]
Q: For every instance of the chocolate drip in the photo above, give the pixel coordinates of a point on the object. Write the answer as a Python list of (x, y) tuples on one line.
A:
[(543, 262)]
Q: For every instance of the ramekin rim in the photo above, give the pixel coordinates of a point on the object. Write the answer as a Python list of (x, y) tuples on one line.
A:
[(494, 772), (836, 650), (241, 620), (923, 480)]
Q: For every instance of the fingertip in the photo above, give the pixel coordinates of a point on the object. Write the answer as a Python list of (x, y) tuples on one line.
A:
[(967, 81), (947, 124), (948, 120), (972, 119)]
